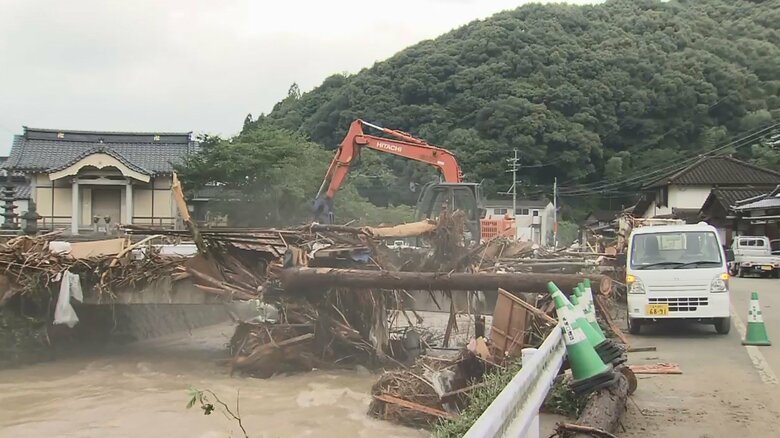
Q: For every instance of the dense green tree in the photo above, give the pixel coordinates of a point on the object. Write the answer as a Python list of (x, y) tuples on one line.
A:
[(585, 93), (767, 155), (270, 176)]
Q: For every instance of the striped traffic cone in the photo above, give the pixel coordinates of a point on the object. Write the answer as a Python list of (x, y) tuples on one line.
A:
[(756, 331), (586, 297), (594, 337), (607, 350), (589, 372)]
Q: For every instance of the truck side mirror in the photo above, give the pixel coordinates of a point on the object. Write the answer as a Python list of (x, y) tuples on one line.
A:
[(729, 255)]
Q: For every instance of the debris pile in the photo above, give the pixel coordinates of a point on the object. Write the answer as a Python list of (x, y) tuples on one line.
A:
[(32, 266), (506, 255), (333, 295)]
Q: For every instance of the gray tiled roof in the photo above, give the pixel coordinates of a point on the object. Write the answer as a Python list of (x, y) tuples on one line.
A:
[(730, 196), (764, 204), (720, 171), (768, 201), (23, 191), (41, 150)]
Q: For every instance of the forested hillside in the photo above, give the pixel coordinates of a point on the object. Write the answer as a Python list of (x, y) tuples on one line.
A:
[(585, 93)]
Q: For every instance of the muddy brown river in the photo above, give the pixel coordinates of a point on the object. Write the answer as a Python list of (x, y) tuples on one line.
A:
[(140, 390)]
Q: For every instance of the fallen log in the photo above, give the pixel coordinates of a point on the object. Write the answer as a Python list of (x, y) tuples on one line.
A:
[(327, 228), (604, 408), (299, 278), (411, 229), (404, 230)]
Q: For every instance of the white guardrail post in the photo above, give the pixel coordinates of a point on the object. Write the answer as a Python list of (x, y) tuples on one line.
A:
[(515, 411)]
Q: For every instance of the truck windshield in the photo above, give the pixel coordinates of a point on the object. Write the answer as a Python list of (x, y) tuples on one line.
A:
[(675, 250)]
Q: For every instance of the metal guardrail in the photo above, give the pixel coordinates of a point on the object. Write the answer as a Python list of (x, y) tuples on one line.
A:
[(515, 411)]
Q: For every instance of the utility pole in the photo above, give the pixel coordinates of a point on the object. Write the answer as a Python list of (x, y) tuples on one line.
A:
[(555, 212), (513, 167)]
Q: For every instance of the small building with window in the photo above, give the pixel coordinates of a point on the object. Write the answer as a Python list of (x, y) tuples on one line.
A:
[(83, 180), (534, 217)]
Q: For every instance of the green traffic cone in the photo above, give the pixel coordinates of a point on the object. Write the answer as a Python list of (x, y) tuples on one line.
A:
[(575, 301), (595, 338), (578, 317), (756, 331), (583, 359), (586, 297)]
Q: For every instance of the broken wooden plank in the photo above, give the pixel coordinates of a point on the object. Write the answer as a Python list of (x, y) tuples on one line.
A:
[(536, 311), (84, 250), (460, 391), (387, 398), (305, 278), (658, 368), (510, 323), (604, 312), (640, 349)]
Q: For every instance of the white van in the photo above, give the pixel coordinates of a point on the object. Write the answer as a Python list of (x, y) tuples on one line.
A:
[(677, 272)]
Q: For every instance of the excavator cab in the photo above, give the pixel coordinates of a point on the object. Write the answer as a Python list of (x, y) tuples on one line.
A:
[(467, 197)]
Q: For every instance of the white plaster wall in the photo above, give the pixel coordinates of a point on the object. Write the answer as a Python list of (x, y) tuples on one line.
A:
[(688, 196)]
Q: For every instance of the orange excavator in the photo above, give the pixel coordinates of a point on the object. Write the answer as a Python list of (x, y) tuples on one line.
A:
[(452, 193)]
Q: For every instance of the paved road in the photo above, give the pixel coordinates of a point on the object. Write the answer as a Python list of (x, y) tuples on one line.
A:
[(727, 389)]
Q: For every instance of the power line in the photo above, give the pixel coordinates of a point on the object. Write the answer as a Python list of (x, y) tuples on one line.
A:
[(605, 184), (682, 164), (533, 166)]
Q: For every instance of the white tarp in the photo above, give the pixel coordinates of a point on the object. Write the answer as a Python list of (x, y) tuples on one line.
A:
[(70, 287)]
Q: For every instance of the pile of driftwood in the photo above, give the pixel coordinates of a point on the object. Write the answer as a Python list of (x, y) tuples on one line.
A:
[(307, 325), (504, 255), (28, 266), (31, 267)]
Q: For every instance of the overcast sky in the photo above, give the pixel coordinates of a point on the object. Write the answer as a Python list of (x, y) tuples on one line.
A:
[(194, 65)]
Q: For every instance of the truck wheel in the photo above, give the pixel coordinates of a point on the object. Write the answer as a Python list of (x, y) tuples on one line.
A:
[(723, 325), (776, 273), (740, 272), (634, 325)]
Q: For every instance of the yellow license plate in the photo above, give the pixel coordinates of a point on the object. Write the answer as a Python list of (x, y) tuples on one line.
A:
[(657, 309), (766, 268)]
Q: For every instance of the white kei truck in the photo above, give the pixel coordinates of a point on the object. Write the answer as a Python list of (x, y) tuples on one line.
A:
[(677, 272)]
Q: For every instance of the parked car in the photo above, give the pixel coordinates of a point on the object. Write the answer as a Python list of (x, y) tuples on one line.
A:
[(753, 255), (677, 272)]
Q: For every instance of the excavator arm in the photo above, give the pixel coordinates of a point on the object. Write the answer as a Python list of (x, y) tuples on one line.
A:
[(400, 143)]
